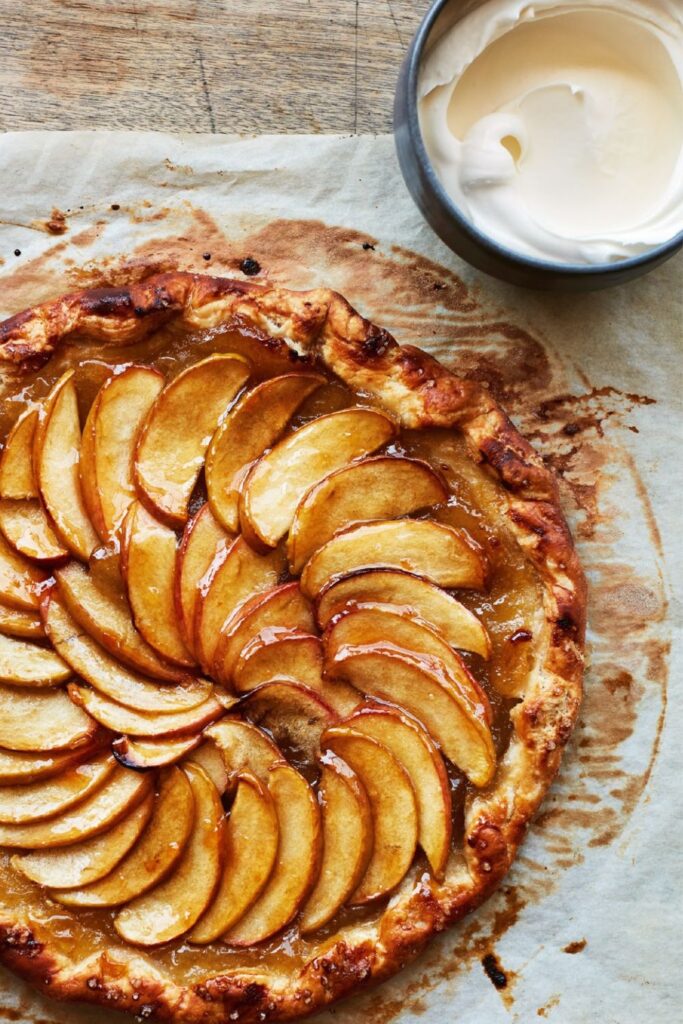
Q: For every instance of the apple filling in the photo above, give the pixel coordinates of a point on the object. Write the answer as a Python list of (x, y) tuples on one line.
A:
[(257, 645)]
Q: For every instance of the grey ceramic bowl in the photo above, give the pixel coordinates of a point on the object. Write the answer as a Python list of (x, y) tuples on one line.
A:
[(444, 215)]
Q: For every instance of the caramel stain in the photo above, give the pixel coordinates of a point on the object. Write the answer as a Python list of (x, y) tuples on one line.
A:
[(575, 947), (544, 1011)]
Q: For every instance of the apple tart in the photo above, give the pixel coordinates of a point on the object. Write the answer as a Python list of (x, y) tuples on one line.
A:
[(291, 640)]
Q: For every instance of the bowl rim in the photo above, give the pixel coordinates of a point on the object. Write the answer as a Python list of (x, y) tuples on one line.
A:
[(415, 54)]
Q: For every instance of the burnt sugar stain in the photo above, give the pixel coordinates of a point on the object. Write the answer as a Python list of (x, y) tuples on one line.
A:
[(493, 971), (575, 947)]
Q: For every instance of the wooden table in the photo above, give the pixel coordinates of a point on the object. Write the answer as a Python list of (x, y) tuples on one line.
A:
[(203, 65)]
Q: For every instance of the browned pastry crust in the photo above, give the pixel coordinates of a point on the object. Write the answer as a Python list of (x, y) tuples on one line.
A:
[(321, 325)]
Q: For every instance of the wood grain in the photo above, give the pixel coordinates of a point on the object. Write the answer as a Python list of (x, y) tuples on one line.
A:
[(203, 65)]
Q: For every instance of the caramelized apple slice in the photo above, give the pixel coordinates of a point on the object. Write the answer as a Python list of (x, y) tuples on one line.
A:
[(23, 624), (412, 746), (297, 864), (42, 719), (348, 840), (283, 607), (144, 753), (16, 463), (383, 487), (24, 664), (157, 851), (27, 528), (231, 580), (393, 806), (204, 540), (121, 792), (21, 768), (279, 480), (440, 553), (244, 748), (19, 580), (251, 842), (249, 429), (120, 407), (294, 715), (458, 626), (417, 685), (173, 440), (69, 867), (105, 615), (120, 718), (210, 760), (56, 452), (173, 906), (107, 675), (149, 568), (19, 804)]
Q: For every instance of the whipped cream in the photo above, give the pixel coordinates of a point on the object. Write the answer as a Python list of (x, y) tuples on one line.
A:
[(557, 126)]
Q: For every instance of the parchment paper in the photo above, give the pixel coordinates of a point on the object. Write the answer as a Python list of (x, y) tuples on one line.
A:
[(588, 924)]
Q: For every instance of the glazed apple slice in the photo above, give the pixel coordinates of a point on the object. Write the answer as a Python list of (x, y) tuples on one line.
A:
[(16, 463), (27, 528), (122, 791), (56, 455), (172, 442), (393, 806), (250, 428), (244, 748), (149, 567), (20, 768), (440, 553), (297, 864), (107, 452), (122, 719), (42, 719), (70, 867), (210, 760), (26, 664), (417, 685), (105, 615), (383, 487), (152, 857), (232, 579), (458, 626), (204, 540), (283, 607), (20, 804), (294, 715), (278, 481), (109, 676), (251, 842), (173, 906), (144, 753), (23, 624), (348, 841), (19, 580), (412, 746)]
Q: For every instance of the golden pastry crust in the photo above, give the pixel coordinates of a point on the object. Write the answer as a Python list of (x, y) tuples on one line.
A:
[(320, 325)]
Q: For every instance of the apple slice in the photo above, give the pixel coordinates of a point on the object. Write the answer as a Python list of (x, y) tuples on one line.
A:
[(25, 664), (244, 748), (297, 864), (23, 624), (441, 553), (27, 528), (120, 407), (458, 626), (149, 568), (122, 791), (173, 906), (172, 442), (278, 481), (70, 867), (348, 841), (204, 540), (283, 607), (210, 760), (382, 487), (19, 580), (294, 715), (250, 428), (42, 720), (144, 753), (417, 685), (56, 453), (105, 615), (21, 768), (415, 750), (233, 578), (251, 842), (16, 463), (107, 675), (120, 718), (393, 806), (20, 804), (156, 853)]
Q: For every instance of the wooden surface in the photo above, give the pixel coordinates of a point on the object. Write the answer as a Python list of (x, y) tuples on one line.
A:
[(203, 65)]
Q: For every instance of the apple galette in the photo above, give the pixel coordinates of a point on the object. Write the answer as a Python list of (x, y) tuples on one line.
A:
[(291, 634)]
